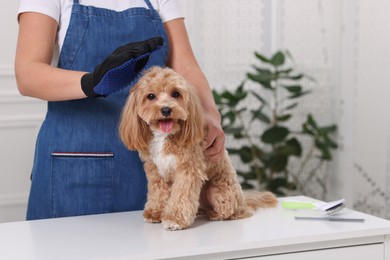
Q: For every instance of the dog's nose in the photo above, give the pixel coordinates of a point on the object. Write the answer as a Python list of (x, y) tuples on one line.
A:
[(166, 111)]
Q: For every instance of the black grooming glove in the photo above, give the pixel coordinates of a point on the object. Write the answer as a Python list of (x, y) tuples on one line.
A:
[(120, 68)]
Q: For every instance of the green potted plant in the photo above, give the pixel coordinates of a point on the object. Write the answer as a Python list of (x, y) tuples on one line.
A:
[(265, 141)]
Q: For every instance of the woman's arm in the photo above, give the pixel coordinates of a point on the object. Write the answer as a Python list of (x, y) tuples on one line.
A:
[(182, 59), (35, 76)]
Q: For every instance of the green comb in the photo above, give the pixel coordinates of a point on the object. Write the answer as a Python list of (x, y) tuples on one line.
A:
[(327, 207)]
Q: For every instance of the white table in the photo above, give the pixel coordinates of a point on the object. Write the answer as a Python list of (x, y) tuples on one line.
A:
[(271, 234)]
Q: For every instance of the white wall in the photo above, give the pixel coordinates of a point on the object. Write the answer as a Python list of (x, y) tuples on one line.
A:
[(344, 44), (364, 104)]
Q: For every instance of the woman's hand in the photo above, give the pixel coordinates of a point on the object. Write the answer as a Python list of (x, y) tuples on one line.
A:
[(119, 68), (214, 146)]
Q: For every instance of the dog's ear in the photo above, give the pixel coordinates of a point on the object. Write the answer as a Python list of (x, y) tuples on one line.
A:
[(133, 131), (192, 130)]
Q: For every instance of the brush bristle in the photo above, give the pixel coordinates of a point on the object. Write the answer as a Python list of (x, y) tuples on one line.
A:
[(333, 210)]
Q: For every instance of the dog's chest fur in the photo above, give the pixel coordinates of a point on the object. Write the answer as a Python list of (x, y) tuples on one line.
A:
[(165, 162)]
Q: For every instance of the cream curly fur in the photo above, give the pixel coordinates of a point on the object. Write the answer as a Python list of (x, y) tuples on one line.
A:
[(163, 120)]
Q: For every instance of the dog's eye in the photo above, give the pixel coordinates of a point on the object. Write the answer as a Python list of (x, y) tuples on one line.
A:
[(175, 94), (151, 96)]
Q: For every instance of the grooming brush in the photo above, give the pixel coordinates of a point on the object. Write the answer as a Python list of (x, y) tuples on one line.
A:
[(329, 208)]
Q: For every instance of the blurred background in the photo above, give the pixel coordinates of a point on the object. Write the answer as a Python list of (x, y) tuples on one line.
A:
[(344, 45)]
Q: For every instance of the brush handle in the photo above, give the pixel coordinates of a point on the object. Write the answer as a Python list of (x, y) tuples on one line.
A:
[(288, 204)]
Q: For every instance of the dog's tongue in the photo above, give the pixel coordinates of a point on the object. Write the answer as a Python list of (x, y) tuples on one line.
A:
[(166, 125)]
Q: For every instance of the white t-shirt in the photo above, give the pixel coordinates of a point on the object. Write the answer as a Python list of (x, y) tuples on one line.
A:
[(60, 10)]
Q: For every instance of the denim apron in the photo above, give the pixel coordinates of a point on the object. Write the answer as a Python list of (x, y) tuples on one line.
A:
[(80, 165)]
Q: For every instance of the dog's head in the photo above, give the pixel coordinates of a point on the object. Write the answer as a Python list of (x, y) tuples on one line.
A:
[(161, 102)]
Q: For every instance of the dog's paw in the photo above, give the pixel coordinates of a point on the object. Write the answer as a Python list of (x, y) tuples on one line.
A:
[(222, 209), (216, 216), (150, 220), (171, 226), (243, 212), (152, 216), (222, 203)]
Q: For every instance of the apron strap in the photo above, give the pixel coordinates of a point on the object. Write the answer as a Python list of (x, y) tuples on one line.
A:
[(146, 1), (149, 5)]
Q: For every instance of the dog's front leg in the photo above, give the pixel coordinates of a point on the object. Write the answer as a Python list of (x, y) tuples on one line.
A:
[(182, 206), (158, 193)]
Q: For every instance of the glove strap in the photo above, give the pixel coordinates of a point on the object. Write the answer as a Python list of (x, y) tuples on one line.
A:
[(87, 85)]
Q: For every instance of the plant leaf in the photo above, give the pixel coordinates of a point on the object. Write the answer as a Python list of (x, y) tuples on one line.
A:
[(278, 162), (330, 143), (240, 94), (286, 71), (232, 99), (262, 100), (311, 121), (233, 150), (278, 59), (291, 147), (227, 95), (233, 130), (258, 114), (291, 106), (260, 79), (275, 134), (299, 94), (217, 97), (264, 76), (246, 154), (328, 129), (262, 57), (231, 116), (262, 71), (325, 154), (249, 175), (247, 186), (283, 118), (276, 183), (294, 77), (294, 89), (310, 127)]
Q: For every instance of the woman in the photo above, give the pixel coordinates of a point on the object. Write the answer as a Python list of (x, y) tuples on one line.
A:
[(80, 165)]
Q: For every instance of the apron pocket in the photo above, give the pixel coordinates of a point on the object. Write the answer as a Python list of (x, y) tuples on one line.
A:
[(82, 183)]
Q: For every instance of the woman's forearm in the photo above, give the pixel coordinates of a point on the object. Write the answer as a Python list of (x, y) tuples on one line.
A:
[(35, 76), (46, 82)]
